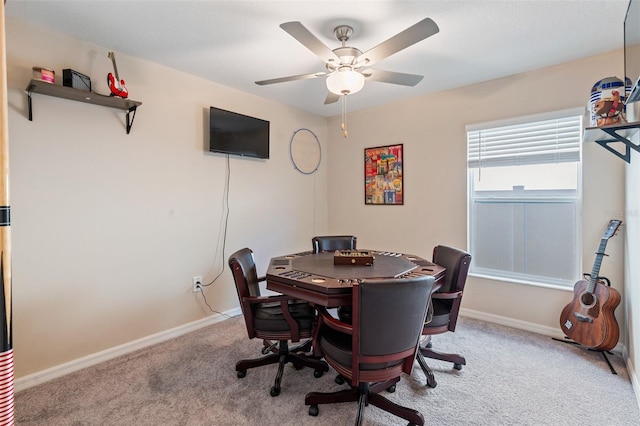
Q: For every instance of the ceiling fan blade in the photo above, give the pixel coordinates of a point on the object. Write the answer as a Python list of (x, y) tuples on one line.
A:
[(412, 35), (311, 42), (392, 77), (331, 98), (291, 78)]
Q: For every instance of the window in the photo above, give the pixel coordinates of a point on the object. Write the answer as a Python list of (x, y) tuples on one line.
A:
[(524, 198)]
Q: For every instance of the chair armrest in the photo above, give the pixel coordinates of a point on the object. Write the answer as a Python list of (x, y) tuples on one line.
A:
[(452, 295), (324, 317), (264, 299), (284, 306), (332, 322)]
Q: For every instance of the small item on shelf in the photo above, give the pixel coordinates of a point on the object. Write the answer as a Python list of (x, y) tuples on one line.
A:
[(44, 74), (72, 78), (116, 85), (353, 257), (607, 102)]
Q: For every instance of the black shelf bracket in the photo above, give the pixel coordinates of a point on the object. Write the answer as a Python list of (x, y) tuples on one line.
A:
[(133, 110), (29, 91), (607, 135)]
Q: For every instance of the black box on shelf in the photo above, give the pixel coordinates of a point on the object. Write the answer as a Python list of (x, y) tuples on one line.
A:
[(71, 78)]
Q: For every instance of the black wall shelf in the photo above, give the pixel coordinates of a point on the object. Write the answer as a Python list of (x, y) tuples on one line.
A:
[(44, 88), (614, 133)]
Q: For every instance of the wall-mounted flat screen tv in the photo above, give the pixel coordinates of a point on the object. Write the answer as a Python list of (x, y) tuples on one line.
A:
[(238, 134)]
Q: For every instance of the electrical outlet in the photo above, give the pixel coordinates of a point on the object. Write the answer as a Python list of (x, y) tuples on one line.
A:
[(197, 284)]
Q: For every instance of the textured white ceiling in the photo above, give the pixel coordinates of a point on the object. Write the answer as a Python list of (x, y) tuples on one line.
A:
[(236, 43)]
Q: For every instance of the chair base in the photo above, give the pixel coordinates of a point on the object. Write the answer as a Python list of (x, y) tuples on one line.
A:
[(365, 394), (282, 357), (426, 352)]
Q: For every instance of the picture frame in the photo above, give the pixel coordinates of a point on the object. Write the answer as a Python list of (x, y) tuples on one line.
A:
[(383, 175)]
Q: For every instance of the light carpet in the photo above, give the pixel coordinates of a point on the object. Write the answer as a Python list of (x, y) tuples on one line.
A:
[(512, 377)]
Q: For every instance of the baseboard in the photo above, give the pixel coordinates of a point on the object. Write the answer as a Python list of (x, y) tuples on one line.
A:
[(43, 376), (514, 323), (632, 375), (554, 332)]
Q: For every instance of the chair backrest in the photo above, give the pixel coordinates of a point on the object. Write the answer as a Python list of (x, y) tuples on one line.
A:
[(333, 242), (388, 318), (244, 272), (245, 276), (456, 262)]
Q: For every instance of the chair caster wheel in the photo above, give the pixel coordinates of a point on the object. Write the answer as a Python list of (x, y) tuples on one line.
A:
[(457, 366), (317, 373), (274, 391), (391, 389), (313, 410), (339, 379), (241, 374)]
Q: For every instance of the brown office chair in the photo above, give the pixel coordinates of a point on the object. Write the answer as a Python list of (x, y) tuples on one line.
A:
[(378, 347), (446, 306), (333, 242), (279, 318)]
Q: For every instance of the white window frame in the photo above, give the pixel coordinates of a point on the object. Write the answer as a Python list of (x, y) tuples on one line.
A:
[(562, 153)]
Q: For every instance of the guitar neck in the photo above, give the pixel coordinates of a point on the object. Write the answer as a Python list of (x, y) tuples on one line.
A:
[(596, 265), (611, 230), (115, 67)]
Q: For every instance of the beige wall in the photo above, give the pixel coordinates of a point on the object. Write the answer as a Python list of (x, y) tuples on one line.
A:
[(432, 129), (109, 228)]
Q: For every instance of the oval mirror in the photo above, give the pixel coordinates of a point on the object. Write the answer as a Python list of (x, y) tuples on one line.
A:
[(305, 151)]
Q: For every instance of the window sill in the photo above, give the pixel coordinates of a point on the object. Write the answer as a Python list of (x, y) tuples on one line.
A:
[(522, 282)]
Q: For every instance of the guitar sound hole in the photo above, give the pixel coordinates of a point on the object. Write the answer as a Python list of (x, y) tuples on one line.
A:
[(588, 299)]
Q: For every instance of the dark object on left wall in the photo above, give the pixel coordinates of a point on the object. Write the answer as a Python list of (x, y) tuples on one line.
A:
[(71, 78)]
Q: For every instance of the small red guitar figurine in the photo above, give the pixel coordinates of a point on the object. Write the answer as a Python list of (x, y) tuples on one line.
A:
[(115, 84)]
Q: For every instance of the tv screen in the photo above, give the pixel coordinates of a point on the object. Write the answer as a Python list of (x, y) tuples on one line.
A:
[(238, 134), (632, 49)]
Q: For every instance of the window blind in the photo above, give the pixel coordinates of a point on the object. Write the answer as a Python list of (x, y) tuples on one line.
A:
[(553, 140)]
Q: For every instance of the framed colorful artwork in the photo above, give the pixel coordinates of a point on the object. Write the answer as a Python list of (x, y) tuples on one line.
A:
[(383, 183)]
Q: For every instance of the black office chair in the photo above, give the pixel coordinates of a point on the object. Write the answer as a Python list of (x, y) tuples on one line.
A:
[(333, 242), (446, 306), (279, 318), (378, 347)]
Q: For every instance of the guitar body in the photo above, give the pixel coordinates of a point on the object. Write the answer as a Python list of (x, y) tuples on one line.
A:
[(117, 87), (589, 319)]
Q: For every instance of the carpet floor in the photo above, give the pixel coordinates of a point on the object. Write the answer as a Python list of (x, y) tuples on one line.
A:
[(512, 377)]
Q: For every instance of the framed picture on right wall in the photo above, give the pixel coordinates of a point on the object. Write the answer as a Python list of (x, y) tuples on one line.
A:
[(383, 182)]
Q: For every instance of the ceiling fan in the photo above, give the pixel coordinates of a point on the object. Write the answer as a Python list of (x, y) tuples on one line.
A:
[(348, 67)]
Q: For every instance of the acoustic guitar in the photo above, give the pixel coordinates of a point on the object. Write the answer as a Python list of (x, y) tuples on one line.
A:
[(589, 318)]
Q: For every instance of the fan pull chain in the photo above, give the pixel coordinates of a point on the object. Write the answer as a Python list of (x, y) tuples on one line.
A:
[(344, 117)]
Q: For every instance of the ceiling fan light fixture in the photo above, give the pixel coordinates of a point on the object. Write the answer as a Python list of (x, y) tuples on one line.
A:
[(345, 82)]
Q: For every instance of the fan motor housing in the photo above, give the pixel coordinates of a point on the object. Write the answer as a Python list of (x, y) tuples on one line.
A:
[(347, 55)]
